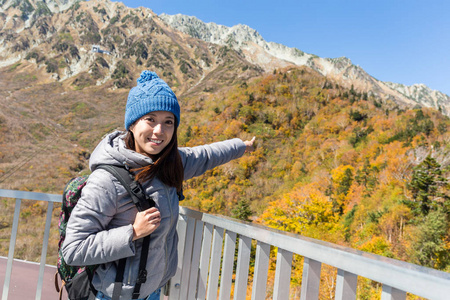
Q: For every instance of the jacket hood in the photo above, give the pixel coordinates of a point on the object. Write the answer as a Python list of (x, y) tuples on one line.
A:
[(112, 151)]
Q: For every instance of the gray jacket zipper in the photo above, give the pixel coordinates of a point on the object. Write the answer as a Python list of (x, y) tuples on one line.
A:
[(165, 243)]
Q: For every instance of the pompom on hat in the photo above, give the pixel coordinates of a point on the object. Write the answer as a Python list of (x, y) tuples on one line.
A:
[(150, 94)]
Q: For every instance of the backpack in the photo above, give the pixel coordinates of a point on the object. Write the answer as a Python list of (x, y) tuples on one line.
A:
[(77, 279)]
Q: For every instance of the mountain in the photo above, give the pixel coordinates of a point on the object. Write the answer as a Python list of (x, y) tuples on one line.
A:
[(270, 55), (20, 16), (48, 69), (62, 42)]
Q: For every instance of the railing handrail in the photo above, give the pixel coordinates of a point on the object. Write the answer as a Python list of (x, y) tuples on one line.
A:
[(30, 195)]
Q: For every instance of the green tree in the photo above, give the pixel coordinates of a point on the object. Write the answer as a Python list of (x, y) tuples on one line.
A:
[(367, 176), (432, 249), (242, 211), (429, 188)]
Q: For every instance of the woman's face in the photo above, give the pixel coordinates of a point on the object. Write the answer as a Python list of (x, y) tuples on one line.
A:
[(153, 132)]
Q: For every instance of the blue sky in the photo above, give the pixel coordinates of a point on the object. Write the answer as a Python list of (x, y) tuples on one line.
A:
[(393, 40)]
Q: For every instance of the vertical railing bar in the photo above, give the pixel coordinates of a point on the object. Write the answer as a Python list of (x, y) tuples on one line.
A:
[(48, 222), (227, 265), (261, 271), (282, 275), (346, 284), (174, 283), (204, 261), (243, 262), (195, 267), (187, 256), (390, 293), (214, 267), (310, 279), (12, 244)]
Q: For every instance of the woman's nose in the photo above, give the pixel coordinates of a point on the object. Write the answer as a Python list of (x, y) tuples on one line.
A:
[(158, 129)]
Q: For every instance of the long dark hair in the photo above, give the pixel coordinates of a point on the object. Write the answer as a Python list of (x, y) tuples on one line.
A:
[(167, 165)]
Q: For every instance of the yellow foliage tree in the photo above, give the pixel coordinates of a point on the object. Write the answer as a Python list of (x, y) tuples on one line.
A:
[(342, 179), (306, 210)]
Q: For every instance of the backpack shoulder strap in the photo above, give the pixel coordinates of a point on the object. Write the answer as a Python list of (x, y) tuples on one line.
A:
[(142, 202), (133, 187)]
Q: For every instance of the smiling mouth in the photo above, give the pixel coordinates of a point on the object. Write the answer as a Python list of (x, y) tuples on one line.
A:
[(155, 141)]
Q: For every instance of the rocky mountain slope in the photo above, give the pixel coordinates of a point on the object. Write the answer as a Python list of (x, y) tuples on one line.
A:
[(270, 55), (136, 39), (29, 24)]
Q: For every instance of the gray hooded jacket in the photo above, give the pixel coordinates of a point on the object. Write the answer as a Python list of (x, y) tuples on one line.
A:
[(100, 227)]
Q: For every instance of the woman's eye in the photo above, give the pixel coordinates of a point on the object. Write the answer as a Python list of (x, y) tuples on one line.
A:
[(170, 122), (149, 119)]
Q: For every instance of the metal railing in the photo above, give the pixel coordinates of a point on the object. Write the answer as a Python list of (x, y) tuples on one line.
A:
[(201, 260), (19, 196), (207, 261)]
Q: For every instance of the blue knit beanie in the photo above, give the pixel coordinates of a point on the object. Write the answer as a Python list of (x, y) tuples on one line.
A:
[(150, 94)]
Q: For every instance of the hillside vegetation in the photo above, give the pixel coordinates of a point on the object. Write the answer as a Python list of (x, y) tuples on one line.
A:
[(330, 163)]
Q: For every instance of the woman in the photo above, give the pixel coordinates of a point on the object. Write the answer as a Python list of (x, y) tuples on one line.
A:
[(105, 226)]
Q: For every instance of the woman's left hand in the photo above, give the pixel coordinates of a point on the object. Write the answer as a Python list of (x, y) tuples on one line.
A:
[(146, 222), (249, 145)]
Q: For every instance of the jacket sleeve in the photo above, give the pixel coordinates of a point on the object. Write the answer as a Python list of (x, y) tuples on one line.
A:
[(198, 160), (89, 240)]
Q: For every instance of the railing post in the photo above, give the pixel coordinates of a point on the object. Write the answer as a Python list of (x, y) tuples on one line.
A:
[(243, 262), (282, 275), (261, 269), (12, 244), (346, 284), (204, 261), (195, 263), (48, 222), (390, 293), (310, 279), (227, 265), (214, 267), (187, 256)]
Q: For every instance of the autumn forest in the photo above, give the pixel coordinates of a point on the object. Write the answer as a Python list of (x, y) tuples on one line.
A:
[(331, 164)]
